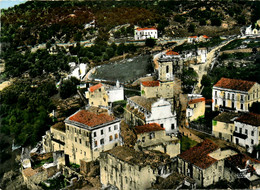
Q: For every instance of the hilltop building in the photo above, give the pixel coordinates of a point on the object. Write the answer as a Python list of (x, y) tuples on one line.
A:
[(153, 137), (141, 111), (104, 95), (145, 33), (234, 94)]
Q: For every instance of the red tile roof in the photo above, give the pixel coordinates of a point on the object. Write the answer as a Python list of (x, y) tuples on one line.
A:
[(198, 155), (240, 160), (170, 52), (95, 87), (250, 118), (148, 128), (139, 29), (91, 119), (150, 83), (204, 36), (235, 84), (193, 36), (194, 101)]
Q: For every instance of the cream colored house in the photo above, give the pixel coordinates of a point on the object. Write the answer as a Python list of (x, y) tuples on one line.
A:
[(234, 94), (89, 133), (204, 163), (125, 168), (196, 107), (153, 137), (223, 125)]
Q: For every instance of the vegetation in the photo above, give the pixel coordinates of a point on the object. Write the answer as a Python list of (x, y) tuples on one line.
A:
[(187, 143), (189, 78), (239, 55), (255, 108), (150, 42), (69, 87)]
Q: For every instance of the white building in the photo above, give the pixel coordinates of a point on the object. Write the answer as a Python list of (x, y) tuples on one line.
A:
[(234, 94), (202, 53), (154, 111), (247, 131), (115, 93), (250, 31), (145, 33), (79, 72)]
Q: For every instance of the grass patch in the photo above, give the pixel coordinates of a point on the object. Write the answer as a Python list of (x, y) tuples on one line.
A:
[(239, 55), (42, 162), (73, 165), (187, 143)]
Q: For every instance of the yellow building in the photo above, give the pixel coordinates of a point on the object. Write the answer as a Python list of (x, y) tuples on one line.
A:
[(125, 168), (97, 95), (196, 108), (234, 94), (153, 137), (223, 125)]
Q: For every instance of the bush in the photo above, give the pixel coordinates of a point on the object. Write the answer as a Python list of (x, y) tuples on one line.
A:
[(150, 42)]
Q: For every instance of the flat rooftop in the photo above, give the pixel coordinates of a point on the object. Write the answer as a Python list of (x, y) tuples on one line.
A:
[(219, 155)]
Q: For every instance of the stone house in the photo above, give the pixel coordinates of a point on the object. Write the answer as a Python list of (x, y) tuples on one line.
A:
[(234, 94), (89, 133), (104, 95), (145, 33), (247, 131), (140, 111), (204, 163), (223, 125), (153, 137), (150, 89), (242, 167), (125, 168), (196, 107)]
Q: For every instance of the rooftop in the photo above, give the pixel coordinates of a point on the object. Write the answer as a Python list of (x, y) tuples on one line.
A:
[(139, 29), (91, 119), (95, 87), (235, 84), (194, 101), (240, 160), (59, 126), (222, 154), (193, 36), (204, 36), (250, 118), (151, 83), (170, 52), (198, 155), (148, 128), (144, 102), (152, 158), (226, 117)]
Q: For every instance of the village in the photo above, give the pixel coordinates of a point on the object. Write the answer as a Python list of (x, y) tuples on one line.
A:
[(153, 138)]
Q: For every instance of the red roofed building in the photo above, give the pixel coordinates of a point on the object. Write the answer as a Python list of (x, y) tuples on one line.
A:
[(151, 83), (198, 163), (234, 94), (88, 132), (196, 107), (145, 33), (95, 87), (247, 128), (152, 136)]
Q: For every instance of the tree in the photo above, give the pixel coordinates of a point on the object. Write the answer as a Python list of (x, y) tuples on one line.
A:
[(191, 28), (215, 21), (150, 42), (255, 108), (189, 78), (69, 87)]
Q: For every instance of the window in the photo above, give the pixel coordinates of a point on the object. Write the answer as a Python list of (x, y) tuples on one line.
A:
[(109, 129), (102, 132), (80, 141), (242, 97), (75, 130), (75, 139), (252, 133), (116, 136), (79, 131), (246, 131), (101, 141), (143, 139), (233, 96), (216, 102), (174, 126), (110, 138), (95, 143), (252, 141), (152, 135), (68, 127), (80, 151), (84, 153), (86, 143), (241, 106), (95, 134), (240, 130), (161, 125), (228, 96), (216, 93), (115, 127), (235, 128), (167, 69), (195, 105)]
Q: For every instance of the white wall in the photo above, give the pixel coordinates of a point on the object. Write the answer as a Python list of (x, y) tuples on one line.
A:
[(144, 34), (115, 94)]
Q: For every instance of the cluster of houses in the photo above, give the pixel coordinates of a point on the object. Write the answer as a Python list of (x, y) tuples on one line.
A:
[(95, 134)]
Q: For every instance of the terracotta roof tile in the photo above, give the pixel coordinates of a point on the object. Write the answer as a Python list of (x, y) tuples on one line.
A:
[(139, 29), (95, 87), (193, 36), (235, 84), (194, 101), (250, 118), (91, 119), (170, 52), (240, 160), (204, 36), (150, 83), (148, 128), (198, 155)]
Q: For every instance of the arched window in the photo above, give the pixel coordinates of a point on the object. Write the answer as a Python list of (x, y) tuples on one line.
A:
[(167, 69)]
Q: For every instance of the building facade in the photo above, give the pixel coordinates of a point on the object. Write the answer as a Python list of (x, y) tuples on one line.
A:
[(247, 133), (196, 107), (234, 95), (145, 33)]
